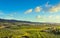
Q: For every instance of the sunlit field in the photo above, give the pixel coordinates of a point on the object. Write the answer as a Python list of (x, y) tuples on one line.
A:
[(11, 30), (29, 18)]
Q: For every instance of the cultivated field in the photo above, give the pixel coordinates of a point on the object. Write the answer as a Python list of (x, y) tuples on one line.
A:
[(13, 30), (24, 29)]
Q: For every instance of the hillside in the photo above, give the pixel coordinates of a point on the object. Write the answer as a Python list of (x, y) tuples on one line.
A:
[(27, 29), (25, 22)]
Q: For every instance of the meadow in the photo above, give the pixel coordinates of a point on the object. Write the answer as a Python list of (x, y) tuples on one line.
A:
[(17, 30)]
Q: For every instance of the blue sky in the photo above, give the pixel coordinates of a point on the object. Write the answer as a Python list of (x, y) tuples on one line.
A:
[(31, 10)]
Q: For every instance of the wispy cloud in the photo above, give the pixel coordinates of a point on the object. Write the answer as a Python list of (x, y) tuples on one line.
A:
[(53, 18), (55, 9), (28, 11), (47, 4), (38, 9), (49, 9), (50, 18)]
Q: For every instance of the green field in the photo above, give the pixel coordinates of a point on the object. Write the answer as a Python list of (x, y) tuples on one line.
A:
[(29, 31)]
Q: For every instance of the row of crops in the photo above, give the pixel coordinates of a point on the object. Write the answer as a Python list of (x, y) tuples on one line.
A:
[(29, 31), (6, 33)]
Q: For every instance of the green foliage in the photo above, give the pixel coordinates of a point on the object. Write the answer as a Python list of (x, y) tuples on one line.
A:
[(14, 30)]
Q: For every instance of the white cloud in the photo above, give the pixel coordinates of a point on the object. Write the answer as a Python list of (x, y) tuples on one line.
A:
[(28, 11), (38, 9), (55, 9), (47, 8), (51, 18)]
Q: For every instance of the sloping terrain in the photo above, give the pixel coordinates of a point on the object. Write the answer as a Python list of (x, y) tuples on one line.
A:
[(26, 29)]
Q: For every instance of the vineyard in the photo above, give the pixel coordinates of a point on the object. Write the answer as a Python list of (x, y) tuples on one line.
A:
[(22, 29), (31, 31)]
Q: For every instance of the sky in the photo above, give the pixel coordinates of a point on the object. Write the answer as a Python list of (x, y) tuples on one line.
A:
[(31, 10)]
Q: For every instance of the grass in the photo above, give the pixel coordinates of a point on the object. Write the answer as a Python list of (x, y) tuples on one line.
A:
[(31, 31)]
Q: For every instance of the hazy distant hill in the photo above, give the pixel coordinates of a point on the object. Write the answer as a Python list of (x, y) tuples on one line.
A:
[(27, 22), (5, 20)]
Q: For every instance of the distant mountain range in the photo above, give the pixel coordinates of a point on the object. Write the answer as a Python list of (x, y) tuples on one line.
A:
[(19, 21), (5, 20)]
